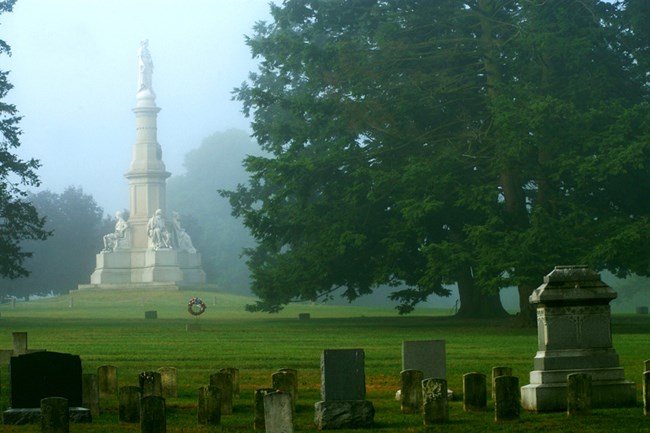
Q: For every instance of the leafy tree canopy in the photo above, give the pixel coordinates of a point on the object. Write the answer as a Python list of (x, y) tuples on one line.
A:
[(18, 218), (422, 143)]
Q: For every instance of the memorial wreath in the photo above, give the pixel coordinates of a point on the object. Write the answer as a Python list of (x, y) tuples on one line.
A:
[(196, 306)]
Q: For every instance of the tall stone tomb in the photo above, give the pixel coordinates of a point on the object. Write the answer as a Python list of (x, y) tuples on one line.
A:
[(574, 336), (149, 247)]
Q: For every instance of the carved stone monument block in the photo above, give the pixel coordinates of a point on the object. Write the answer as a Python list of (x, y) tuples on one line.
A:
[(574, 336)]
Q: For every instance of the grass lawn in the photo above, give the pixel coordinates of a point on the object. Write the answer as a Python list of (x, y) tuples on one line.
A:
[(108, 327)]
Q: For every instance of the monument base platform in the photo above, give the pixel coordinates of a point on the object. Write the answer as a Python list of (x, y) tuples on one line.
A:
[(159, 286), (33, 416), (340, 414)]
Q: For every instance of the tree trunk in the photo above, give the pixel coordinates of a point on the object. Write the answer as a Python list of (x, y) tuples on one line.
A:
[(527, 313), (474, 304)]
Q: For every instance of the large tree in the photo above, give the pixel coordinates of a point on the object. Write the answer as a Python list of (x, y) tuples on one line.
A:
[(423, 143), (19, 219), (220, 238), (67, 258)]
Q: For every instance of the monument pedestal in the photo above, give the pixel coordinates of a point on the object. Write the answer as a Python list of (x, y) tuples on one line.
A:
[(146, 269), (574, 336)]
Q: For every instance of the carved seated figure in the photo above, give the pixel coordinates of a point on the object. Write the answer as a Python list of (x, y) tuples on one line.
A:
[(121, 237)]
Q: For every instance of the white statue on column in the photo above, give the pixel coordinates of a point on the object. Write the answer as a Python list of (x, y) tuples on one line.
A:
[(120, 237), (182, 241), (159, 236), (145, 65)]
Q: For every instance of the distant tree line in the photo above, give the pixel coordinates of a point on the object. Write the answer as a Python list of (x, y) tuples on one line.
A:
[(424, 143)]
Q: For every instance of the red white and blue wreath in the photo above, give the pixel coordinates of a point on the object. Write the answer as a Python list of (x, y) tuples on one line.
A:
[(196, 306)]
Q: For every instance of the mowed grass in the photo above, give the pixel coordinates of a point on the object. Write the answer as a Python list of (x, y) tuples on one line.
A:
[(108, 327)]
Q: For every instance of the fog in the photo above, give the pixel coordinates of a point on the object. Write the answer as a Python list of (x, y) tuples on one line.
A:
[(74, 71)]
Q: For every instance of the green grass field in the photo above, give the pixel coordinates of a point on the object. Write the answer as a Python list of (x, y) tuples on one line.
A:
[(108, 327)]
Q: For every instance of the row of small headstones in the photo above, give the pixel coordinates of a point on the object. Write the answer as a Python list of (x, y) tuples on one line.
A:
[(430, 396), (213, 400)]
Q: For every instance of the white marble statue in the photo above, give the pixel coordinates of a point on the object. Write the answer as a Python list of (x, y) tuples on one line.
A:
[(120, 237), (182, 241), (145, 66), (159, 236)]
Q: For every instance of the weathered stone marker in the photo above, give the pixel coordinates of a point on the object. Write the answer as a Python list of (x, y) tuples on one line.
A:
[(258, 408), (209, 405), (574, 335), (428, 356), (223, 381), (129, 404), (343, 391), (152, 415), (641, 310), (293, 372), (234, 374), (646, 392), (151, 314), (411, 391), (496, 372), (168, 382), (90, 393), (55, 415), (285, 382), (278, 413), (19, 343), (646, 365), (150, 384), (434, 401), (508, 402), (107, 376), (578, 394), (304, 316), (474, 392)]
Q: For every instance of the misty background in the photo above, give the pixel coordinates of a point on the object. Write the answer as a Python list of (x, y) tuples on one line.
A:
[(74, 71)]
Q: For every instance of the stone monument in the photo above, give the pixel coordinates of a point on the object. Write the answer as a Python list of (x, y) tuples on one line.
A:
[(147, 249), (574, 336)]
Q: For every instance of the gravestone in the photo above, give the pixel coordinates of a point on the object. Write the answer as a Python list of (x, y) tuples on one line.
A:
[(285, 382), (150, 384), (168, 382), (343, 391), (474, 392), (129, 404), (39, 375), (19, 343), (278, 413), (152, 415), (411, 391), (646, 365), (55, 415), (209, 408), (107, 376), (497, 372), (641, 310), (223, 381), (578, 394), (574, 336), (304, 316), (234, 373), (508, 400), (434, 401), (258, 408), (293, 372), (90, 393), (151, 314), (646, 392), (428, 356)]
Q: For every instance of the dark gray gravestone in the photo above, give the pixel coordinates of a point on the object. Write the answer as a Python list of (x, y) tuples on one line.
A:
[(428, 356), (152, 415), (223, 381), (411, 391), (474, 392), (343, 374), (209, 409), (55, 415), (129, 405), (258, 408), (35, 376), (435, 406)]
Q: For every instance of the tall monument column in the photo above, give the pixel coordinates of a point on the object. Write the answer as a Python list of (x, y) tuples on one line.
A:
[(147, 174), (147, 248)]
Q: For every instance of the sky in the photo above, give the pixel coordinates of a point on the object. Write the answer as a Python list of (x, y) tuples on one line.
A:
[(74, 70)]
